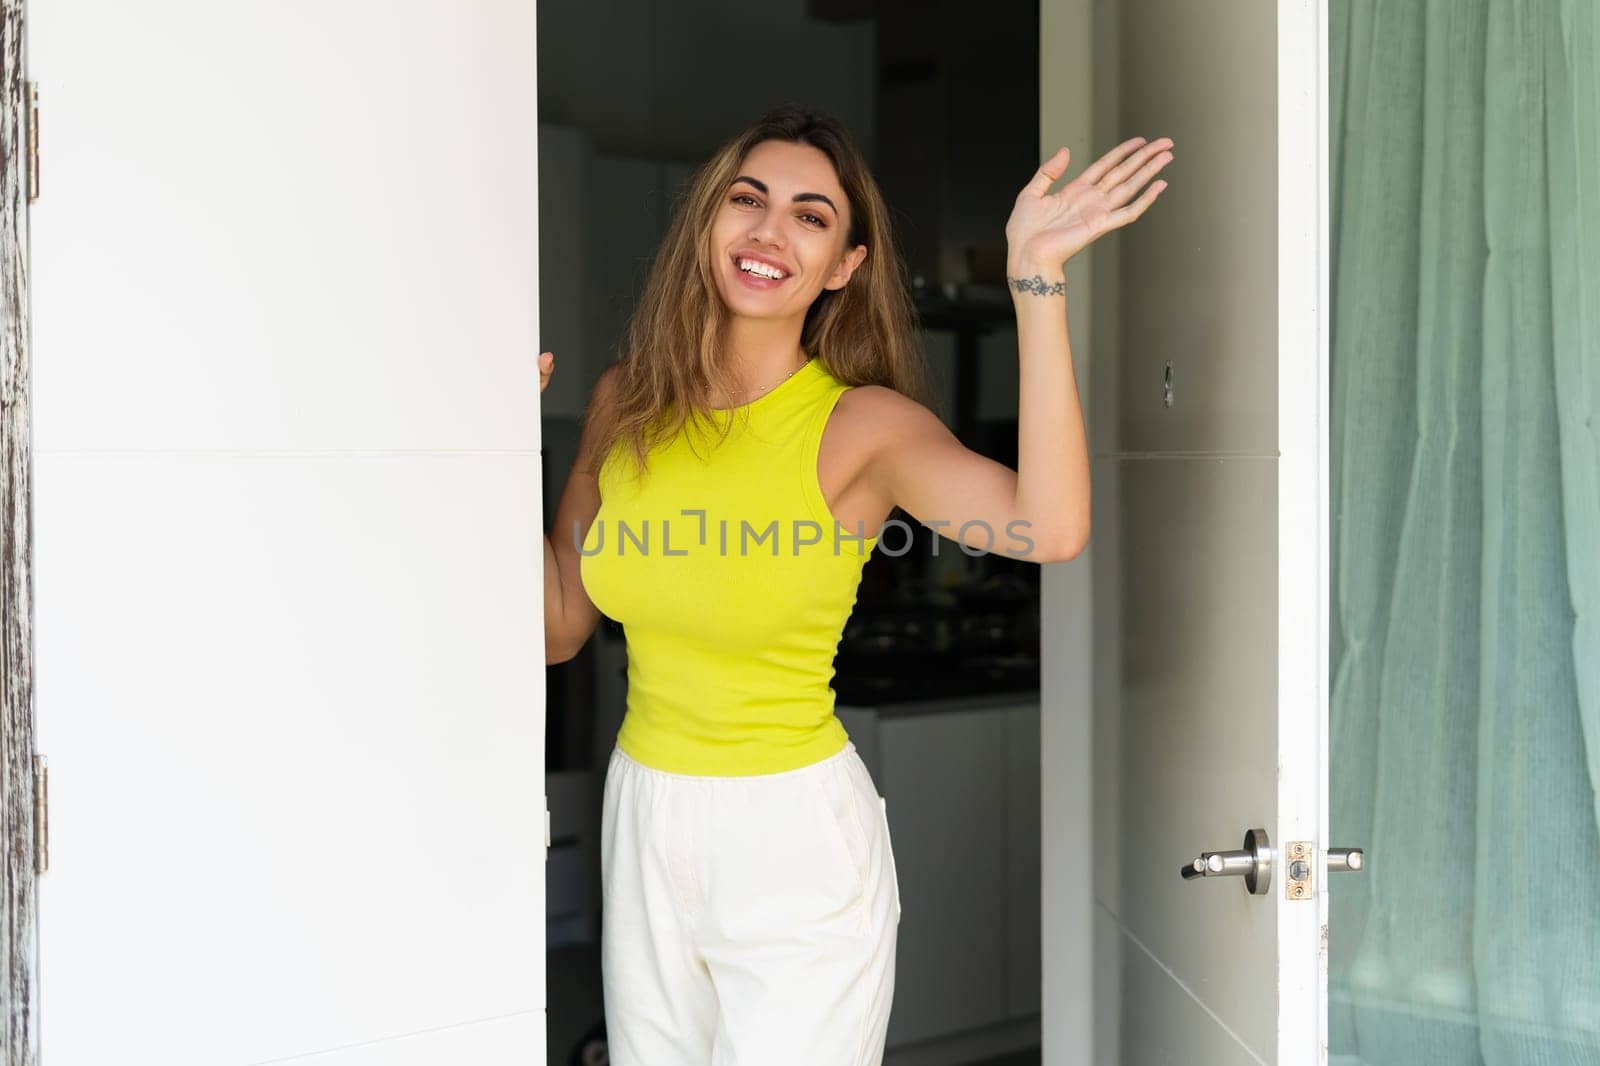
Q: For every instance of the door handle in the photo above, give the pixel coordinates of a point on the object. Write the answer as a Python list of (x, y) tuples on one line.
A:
[(1353, 860), (1253, 862)]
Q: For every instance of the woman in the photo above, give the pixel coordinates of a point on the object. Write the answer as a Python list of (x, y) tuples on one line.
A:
[(736, 468)]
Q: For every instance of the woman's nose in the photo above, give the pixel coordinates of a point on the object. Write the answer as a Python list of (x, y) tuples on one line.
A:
[(766, 234)]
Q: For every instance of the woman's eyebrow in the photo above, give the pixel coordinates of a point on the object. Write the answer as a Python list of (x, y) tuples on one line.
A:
[(761, 187)]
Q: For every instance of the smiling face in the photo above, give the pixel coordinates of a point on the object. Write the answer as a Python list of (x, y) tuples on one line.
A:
[(786, 210)]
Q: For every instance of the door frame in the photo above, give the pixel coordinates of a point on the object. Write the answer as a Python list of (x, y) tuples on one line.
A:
[(1303, 550), (1303, 556), (18, 871)]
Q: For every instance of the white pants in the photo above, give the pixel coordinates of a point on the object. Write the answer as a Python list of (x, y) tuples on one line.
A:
[(748, 921)]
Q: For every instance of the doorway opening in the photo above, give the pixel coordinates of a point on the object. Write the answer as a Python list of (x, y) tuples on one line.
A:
[(938, 673)]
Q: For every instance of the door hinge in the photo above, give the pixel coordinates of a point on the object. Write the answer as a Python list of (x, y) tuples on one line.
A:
[(41, 815), (547, 827), (33, 141)]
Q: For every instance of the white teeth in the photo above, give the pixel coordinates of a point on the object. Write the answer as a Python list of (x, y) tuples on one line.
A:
[(754, 267)]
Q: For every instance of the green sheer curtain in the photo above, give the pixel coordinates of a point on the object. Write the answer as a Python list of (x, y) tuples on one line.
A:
[(1466, 531)]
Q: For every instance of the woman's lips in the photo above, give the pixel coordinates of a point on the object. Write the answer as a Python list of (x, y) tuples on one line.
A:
[(756, 281)]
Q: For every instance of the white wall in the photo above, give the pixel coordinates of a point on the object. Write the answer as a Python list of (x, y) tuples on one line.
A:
[(1078, 108)]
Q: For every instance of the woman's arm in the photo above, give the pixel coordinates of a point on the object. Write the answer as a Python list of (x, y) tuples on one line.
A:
[(1052, 445), (569, 615), (1040, 511)]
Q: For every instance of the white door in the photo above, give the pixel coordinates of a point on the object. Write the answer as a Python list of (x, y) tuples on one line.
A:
[(290, 668), (1210, 559)]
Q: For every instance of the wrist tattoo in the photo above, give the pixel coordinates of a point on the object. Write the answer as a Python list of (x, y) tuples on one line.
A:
[(1037, 286)]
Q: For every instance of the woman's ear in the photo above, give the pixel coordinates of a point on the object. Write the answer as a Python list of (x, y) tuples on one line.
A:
[(847, 266)]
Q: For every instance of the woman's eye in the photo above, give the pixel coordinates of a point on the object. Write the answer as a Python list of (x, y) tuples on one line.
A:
[(747, 198)]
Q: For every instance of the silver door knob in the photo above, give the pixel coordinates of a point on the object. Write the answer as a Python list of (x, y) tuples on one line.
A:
[(1351, 859), (1253, 862)]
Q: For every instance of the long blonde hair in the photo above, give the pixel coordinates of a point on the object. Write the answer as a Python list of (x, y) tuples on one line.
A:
[(864, 333)]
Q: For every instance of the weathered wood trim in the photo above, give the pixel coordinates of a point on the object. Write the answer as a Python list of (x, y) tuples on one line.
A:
[(19, 991)]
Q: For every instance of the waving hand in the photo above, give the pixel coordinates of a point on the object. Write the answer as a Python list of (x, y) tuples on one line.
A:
[(1053, 227)]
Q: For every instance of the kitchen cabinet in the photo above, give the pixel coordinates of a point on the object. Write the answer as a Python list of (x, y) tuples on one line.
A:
[(960, 780), (1022, 861)]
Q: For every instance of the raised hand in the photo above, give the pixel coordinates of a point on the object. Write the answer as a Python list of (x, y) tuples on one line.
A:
[(547, 366), (1049, 228)]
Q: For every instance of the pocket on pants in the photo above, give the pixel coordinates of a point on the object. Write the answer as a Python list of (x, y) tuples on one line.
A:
[(888, 847), (842, 825)]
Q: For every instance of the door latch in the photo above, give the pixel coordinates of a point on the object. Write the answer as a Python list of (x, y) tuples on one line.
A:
[(1300, 871)]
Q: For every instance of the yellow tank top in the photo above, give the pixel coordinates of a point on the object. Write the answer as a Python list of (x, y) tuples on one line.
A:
[(732, 582)]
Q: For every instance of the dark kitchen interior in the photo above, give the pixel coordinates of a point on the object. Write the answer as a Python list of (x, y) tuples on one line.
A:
[(937, 674)]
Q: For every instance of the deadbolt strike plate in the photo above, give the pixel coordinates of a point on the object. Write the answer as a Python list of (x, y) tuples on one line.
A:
[(1298, 869)]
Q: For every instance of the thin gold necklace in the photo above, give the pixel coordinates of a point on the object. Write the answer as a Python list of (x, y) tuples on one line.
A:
[(786, 377)]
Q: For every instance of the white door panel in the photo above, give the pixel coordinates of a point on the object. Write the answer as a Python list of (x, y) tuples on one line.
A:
[(497, 1042), (1210, 642), (1200, 271), (289, 620), (284, 225), (1198, 748), (291, 710), (1174, 1024)]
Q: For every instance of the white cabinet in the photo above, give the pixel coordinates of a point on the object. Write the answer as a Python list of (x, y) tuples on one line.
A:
[(1022, 860), (943, 778), (961, 781)]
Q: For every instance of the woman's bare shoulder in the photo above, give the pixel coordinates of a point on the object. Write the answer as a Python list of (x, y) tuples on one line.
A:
[(874, 422), (601, 396), (880, 413)]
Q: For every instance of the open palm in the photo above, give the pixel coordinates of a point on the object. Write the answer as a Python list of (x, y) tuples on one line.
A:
[(1050, 228)]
